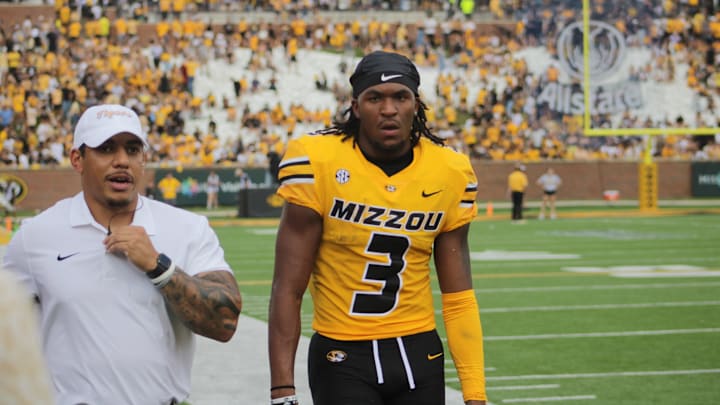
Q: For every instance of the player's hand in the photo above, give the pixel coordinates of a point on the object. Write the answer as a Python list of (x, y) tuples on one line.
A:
[(134, 243)]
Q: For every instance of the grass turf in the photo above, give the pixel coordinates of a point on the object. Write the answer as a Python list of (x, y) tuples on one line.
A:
[(621, 310)]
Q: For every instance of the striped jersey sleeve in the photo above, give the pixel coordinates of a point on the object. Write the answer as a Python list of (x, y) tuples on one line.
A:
[(467, 207), (296, 177), (468, 200)]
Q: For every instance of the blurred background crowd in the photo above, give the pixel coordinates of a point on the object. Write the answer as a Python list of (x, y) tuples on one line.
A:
[(151, 55)]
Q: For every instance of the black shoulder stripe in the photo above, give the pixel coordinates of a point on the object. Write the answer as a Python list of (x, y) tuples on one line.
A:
[(294, 162), (296, 178)]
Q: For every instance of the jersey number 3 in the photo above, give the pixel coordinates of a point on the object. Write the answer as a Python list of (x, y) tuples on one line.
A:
[(388, 274)]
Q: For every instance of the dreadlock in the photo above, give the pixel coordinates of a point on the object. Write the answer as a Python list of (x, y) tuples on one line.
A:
[(350, 127)]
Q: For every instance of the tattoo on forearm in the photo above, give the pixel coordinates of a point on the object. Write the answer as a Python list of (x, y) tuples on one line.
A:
[(208, 304)]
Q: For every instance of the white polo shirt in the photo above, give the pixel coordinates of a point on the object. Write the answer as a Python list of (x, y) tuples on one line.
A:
[(107, 334)]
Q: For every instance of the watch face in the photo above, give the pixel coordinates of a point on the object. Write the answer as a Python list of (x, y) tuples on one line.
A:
[(163, 261)]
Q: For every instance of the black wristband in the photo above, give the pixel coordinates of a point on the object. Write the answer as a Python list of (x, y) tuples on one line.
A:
[(279, 387), (163, 264)]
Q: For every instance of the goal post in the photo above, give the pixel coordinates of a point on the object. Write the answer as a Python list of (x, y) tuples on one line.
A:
[(647, 169)]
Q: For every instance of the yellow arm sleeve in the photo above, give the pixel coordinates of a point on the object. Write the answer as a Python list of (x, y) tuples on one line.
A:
[(465, 339)]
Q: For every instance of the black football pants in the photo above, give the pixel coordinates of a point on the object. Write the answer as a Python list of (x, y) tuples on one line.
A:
[(396, 371)]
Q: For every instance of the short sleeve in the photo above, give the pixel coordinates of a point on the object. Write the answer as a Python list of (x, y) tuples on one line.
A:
[(15, 261), (297, 178), (208, 254), (466, 208)]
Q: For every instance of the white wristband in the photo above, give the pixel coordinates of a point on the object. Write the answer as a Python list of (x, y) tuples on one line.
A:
[(164, 278), (288, 400)]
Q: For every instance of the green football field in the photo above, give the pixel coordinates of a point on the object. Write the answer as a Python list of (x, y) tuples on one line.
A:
[(622, 310)]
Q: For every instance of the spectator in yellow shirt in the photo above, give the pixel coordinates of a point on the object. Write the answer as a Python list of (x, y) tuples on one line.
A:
[(169, 187), (517, 184)]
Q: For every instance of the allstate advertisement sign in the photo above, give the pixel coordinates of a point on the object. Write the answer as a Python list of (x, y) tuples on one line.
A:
[(607, 53)]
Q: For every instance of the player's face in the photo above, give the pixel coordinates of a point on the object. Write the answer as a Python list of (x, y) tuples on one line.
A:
[(111, 172), (386, 112)]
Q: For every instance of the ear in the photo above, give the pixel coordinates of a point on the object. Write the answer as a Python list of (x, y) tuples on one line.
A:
[(354, 106), (76, 160)]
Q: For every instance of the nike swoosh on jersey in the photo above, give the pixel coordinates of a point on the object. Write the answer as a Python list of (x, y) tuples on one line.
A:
[(434, 356), (424, 194), (384, 78), (61, 258)]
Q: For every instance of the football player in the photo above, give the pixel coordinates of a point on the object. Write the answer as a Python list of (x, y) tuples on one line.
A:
[(368, 202)]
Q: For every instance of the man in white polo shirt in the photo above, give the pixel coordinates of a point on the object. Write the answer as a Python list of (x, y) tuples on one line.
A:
[(123, 282)]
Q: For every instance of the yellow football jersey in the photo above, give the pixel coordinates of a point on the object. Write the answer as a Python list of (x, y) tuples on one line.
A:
[(372, 277)]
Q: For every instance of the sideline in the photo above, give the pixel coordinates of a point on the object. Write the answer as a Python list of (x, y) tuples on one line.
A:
[(237, 372)]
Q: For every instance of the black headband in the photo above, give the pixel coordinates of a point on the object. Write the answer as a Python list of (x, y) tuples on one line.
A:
[(384, 67)]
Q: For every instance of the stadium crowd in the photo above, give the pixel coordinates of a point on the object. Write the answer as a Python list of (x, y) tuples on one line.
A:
[(485, 102)]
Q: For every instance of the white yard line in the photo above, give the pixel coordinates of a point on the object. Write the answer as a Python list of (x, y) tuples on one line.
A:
[(548, 399), (523, 387), (596, 287), (605, 334), (677, 274), (599, 306), (601, 375)]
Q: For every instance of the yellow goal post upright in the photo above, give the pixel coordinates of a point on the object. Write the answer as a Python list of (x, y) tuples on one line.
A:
[(647, 169)]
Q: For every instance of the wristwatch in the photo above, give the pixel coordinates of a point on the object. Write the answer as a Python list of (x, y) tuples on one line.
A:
[(163, 264)]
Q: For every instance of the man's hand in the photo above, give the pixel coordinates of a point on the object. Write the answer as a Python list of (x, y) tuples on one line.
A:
[(134, 243), (208, 303)]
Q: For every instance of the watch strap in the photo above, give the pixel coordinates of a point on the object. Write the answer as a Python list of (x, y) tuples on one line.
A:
[(163, 265)]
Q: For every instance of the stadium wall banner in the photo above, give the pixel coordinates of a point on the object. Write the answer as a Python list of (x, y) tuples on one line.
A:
[(193, 184), (610, 92), (13, 190), (38, 189), (705, 179)]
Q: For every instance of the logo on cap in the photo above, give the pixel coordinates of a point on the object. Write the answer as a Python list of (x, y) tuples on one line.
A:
[(384, 78), (111, 113)]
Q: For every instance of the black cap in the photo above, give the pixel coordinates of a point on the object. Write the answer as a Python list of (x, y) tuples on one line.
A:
[(384, 67)]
